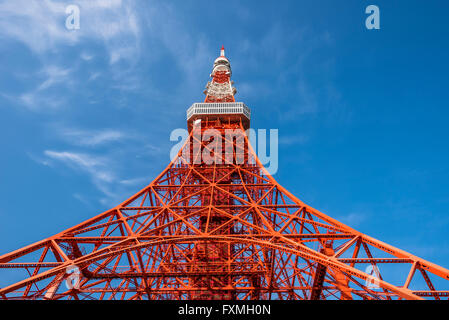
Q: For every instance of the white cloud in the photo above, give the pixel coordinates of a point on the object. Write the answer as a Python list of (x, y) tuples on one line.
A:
[(298, 139), (83, 199), (305, 102), (122, 28), (86, 56), (291, 76), (39, 98), (92, 138), (104, 169), (54, 75), (40, 24), (95, 166), (37, 102), (94, 76), (135, 181), (37, 24)]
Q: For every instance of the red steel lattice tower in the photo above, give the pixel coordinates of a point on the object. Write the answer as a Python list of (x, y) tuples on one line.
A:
[(215, 225)]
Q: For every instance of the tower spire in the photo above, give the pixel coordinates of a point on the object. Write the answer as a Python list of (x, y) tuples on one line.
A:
[(220, 106), (220, 89)]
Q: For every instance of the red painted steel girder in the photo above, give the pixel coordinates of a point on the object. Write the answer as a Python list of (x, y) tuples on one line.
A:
[(181, 237), (224, 230)]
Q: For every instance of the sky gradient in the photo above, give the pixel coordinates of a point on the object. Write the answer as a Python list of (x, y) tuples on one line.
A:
[(86, 114)]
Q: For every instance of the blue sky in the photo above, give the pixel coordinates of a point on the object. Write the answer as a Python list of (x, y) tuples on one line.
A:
[(362, 114)]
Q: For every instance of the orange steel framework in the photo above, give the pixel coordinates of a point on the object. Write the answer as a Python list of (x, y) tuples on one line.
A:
[(221, 230)]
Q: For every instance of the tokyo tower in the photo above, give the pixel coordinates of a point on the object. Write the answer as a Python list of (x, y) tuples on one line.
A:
[(215, 225)]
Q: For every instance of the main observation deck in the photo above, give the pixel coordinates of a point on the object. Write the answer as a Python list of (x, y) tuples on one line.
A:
[(223, 111)]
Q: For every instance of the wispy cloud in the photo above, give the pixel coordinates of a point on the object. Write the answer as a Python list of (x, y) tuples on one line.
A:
[(95, 154), (37, 24), (97, 168), (135, 181), (86, 56), (92, 138), (123, 29), (38, 102), (41, 98), (115, 32), (54, 75), (94, 75), (305, 93), (298, 139), (83, 200), (40, 24), (103, 172)]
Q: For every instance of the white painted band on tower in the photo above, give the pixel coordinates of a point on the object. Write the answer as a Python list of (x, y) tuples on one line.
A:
[(215, 108)]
